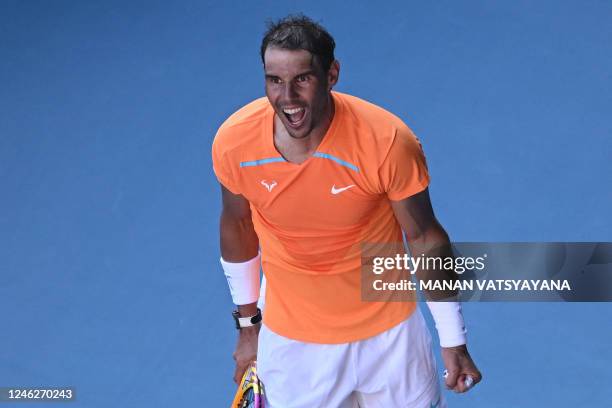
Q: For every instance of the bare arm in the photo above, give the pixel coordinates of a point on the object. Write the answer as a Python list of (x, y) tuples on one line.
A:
[(426, 236), (239, 243)]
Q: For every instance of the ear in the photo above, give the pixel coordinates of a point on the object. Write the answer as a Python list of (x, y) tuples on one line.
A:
[(333, 74)]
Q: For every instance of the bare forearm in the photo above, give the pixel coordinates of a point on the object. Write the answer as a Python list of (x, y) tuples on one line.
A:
[(239, 242), (434, 243)]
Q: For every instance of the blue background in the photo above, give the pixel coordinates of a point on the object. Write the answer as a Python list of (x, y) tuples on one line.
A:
[(109, 275)]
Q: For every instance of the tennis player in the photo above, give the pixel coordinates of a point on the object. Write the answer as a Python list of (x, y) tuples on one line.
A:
[(308, 175)]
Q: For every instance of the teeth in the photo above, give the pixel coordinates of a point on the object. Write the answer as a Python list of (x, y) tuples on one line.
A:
[(292, 111)]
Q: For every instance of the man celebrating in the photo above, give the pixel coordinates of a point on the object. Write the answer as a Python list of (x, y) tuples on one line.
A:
[(308, 176)]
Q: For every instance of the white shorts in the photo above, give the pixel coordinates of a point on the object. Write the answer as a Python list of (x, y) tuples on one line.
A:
[(395, 369)]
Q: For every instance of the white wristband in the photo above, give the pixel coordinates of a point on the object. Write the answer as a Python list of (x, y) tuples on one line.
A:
[(243, 279), (449, 323)]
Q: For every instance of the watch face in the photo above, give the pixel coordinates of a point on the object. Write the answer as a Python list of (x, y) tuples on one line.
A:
[(257, 318)]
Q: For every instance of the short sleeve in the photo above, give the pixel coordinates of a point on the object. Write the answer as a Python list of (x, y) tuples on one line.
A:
[(404, 172), (222, 167)]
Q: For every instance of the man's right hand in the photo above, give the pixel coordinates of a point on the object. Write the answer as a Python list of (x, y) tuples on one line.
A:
[(246, 350)]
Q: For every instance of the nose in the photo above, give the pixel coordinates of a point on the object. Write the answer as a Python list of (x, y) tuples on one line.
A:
[(289, 91)]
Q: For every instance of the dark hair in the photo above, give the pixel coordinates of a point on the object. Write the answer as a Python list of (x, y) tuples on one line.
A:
[(298, 32)]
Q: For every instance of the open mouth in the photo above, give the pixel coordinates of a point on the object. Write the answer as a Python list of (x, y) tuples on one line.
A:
[(295, 116)]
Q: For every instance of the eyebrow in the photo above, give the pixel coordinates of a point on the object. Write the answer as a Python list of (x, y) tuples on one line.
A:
[(309, 72)]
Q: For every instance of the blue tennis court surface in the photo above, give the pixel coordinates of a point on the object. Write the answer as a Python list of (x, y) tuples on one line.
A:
[(109, 274)]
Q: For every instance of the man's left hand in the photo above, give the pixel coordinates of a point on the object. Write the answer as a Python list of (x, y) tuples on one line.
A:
[(459, 365)]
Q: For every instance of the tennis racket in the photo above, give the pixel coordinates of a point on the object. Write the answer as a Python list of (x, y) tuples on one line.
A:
[(250, 393)]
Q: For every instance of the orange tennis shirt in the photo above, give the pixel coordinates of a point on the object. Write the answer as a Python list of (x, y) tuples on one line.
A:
[(312, 218)]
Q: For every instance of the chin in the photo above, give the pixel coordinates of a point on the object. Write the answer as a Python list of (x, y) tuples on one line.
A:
[(301, 134)]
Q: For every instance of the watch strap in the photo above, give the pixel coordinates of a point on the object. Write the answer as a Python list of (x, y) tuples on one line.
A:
[(248, 321)]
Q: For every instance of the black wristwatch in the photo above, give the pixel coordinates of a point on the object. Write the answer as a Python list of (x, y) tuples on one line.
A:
[(242, 322)]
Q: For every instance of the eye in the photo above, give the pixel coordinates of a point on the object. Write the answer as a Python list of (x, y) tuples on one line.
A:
[(275, 80), (301, 78)]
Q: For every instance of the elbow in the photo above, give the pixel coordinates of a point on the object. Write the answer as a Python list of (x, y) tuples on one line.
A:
[(433, 237), (234, 221)]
